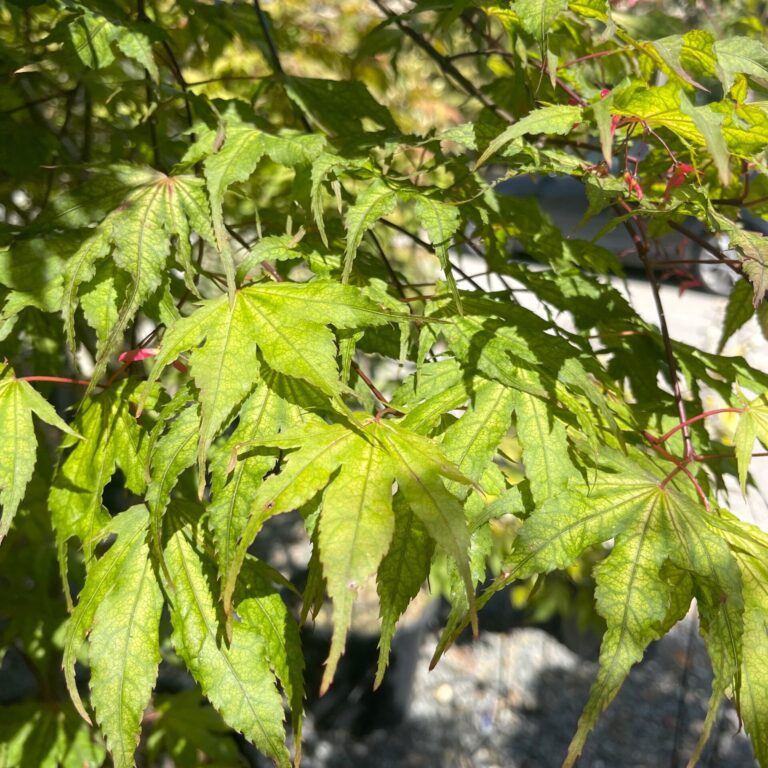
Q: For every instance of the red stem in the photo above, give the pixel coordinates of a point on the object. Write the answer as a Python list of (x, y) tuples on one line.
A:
[(57, 379), (367, 381), (594, 55), (688, 422), (680, 466)]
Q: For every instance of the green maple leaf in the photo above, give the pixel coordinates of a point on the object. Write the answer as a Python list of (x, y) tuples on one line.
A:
[(557, 119), (130, 528), (750, 686), (356, 466), (124, 656), (265, 412), (236, 159), (18, 401), (753, 698), (286, 322), (111, 438), (542, 437), (170, 453), (354, 532), (236, 678), (262, 608), (138, 234), (323, 165), (401, 575), (656, 528), (375, 201), (441, 221), (753, 424), (472, 441)]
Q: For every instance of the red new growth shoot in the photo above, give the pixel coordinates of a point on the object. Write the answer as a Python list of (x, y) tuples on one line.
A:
[(677, 174), (136, 355)]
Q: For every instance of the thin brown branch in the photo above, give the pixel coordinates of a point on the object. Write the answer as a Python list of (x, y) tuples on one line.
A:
[(445, 64), (641, 245), (374, 389), (706, 245), (41, 100), (593, 55), (275, 62), (428, 247), (179, 75), (395, 277)]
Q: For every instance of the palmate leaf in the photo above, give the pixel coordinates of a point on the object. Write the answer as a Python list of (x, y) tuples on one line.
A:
[(743, 128), (472, 441), (419, 467), (749, 545), (364, 459), (374, 202), (170, 454), (35, 736), (355, 530), (266, 412), (130, 528), (401, 575), (236, 678), (543, 439), (441, 221), (111, 438), (753, 699), (139, 235), (190, 731), (236, 159), (537, 16), (654, 527), (18, 451), (242, 150), (92, 36), (753, 424), (125, 653), (557, 119), (262, 608), (286, 322), (322, 166), (740, 55)]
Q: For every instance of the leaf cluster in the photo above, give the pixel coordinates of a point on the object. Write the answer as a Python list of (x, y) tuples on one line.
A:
[(233, 287)]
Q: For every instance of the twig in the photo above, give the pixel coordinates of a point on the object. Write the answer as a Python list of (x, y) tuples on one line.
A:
[(481, 53), (641, 246), (374, 389), (179, 75), (87, 125), (716, 456), (428, 246), (705, 244), (41, 100), (223, 79), (395, 277), (277, 66), (445, 64), (593, 55)]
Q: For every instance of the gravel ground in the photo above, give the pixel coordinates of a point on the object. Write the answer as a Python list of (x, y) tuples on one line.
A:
[(512, 700)]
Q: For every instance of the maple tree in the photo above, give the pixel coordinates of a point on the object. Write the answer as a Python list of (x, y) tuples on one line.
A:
[(230, 291)]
